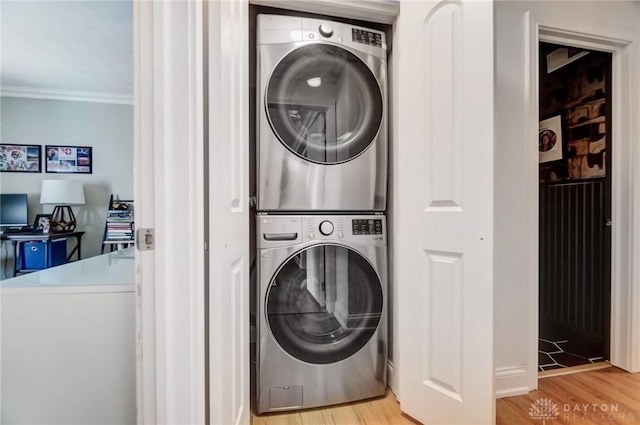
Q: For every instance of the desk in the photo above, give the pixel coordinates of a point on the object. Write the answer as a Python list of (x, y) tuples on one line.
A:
[(18, 238)]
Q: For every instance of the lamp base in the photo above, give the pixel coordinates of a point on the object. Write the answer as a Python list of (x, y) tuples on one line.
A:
[(62, 219)]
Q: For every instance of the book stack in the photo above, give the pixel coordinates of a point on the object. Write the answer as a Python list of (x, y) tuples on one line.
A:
[(119, 225)]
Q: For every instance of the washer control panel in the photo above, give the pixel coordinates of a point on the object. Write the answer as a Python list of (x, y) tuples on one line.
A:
[(369, 229), (287, 230), (367, 226)]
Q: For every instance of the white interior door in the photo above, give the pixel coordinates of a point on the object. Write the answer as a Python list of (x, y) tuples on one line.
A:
[(229, 212), (443, 76)]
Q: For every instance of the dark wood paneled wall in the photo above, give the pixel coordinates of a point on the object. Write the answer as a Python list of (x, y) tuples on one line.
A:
[(573, 292)]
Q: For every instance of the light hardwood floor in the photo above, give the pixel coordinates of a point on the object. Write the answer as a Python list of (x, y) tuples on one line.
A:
[(607, 396), (380, 411)]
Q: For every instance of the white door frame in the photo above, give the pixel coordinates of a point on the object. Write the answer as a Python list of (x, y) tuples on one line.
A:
[(625, 273), (145, 261), (169, 194)]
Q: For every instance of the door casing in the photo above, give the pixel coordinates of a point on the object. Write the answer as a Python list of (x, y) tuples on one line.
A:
[(625, 278)]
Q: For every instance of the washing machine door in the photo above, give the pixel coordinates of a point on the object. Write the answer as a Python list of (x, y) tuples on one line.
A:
[(324, 104), (324, 304)]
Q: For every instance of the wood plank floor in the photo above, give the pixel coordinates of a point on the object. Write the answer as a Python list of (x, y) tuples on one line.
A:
[(607, 396), (380, 411)]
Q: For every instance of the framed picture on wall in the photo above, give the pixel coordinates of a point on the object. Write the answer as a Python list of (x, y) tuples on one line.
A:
[(68, 159), (20, 158), (550, 139)]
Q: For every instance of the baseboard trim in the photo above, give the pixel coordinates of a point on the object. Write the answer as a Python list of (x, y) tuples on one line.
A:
[(574, 369), (511, 381)]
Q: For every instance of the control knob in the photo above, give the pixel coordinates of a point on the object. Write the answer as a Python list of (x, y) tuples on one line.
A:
[(326, 228), (325, 30)]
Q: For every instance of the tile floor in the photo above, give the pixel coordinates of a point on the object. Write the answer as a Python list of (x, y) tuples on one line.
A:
[(558, 354)]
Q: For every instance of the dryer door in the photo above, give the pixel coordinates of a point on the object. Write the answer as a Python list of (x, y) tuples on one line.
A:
[(324, 304), (324, 104)]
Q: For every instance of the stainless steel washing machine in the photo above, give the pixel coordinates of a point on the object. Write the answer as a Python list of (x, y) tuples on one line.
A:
[(322, 116), (322, 331)]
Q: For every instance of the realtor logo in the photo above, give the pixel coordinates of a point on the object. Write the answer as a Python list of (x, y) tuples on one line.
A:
[(544, 409)]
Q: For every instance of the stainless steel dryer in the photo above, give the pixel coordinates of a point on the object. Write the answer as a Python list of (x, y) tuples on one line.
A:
[(322, 116), (322, 331)]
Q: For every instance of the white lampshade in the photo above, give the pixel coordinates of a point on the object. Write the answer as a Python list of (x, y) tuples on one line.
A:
[(62, 192)]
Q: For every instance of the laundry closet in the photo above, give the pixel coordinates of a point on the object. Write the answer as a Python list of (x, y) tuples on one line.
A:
[(321, 175), (437, 223), (320, 152), (327, 140)]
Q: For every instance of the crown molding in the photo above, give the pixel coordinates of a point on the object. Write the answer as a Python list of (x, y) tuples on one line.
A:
[(65, 95)]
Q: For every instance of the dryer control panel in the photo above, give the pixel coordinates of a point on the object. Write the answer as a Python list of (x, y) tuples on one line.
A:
[(278, 29), (366, 37)]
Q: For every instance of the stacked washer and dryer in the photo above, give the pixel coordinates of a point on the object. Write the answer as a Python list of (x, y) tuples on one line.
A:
[(320, 227)]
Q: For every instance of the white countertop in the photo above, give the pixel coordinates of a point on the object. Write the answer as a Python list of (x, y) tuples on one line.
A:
[(112, 272)]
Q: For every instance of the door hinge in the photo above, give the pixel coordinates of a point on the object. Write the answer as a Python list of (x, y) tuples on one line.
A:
[(608, 222), (145, 239)]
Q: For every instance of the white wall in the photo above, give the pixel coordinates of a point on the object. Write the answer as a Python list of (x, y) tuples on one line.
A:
[(107, 128), (516, 164)]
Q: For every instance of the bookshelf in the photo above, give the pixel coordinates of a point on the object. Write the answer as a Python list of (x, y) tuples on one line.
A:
[(119, 227)]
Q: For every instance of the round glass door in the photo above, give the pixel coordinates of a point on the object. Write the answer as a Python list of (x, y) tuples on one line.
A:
[(324, 104), (324, 304)]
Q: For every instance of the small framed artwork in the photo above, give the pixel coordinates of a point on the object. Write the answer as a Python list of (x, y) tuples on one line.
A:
[(550, 139), (68, 159), (20, 158), (42, 223)]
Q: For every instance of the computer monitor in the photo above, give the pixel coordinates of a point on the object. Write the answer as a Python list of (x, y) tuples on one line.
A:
[(13, 210)]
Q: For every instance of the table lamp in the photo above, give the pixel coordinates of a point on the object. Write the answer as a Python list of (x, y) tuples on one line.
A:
[(63, 194)]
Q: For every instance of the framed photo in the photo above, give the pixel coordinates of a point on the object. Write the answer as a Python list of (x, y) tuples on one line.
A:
[(550, 139), (42, 222), (68, 159), (20, 158)]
